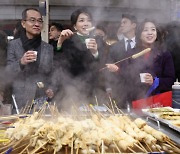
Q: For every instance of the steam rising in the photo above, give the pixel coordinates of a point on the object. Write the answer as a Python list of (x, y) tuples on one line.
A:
[(73, 91)]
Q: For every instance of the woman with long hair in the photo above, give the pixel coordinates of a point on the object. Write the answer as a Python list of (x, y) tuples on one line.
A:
[(156, 64)]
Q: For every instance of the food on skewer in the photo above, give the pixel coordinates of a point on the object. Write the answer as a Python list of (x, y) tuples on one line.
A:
[(113, 133), (141, 53), (90, 29)]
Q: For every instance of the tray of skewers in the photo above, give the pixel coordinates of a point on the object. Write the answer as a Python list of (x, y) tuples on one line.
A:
[(167, 115), (116, 133)]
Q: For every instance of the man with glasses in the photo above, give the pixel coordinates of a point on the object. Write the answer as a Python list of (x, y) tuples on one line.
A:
[(30, 60)]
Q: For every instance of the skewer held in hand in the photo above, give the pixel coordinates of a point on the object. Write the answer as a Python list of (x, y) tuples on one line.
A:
[(133, 57)]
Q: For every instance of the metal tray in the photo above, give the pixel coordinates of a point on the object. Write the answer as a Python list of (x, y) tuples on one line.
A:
[(156, 117)]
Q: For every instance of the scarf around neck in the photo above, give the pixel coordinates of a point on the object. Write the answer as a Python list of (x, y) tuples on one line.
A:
[(30, 44)]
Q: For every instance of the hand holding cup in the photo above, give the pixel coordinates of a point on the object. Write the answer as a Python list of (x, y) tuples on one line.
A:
[(146, 78), (91, 45), (29, 57)]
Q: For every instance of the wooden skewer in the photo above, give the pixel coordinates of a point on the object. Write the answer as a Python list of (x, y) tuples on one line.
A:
[(27, 151), (66, 150), (37, 149), (96, 100), (156, 146), (54, 151), (41, 152), (72, 145), (14, 149), (118, 109), (112, 105), (170, 143), (98, 149), (115, 63), (131, 150), (77, 151), (117, 147), (22, 139), (102, 148), (134, 56), (147, 145), (142, 146), (25, 148), (108, 108), (7, 146)]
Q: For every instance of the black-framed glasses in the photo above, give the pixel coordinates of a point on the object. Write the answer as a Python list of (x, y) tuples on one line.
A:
[(34, 20)]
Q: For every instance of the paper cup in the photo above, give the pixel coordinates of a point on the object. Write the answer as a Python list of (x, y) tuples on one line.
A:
[(35, 53), (87, 41), (142, 77)]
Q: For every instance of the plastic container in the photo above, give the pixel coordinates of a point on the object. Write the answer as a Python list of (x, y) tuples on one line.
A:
[(176, 95)]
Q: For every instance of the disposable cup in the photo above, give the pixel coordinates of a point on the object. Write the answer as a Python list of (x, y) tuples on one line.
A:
[(142, 77), (35, 53), (87, 41)]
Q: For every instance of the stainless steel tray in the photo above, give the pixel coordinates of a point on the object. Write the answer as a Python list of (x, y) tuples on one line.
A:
[(156, 117)]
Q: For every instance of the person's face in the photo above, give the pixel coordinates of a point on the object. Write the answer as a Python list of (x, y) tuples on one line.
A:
[(100, 32), (54, 33), (83, 22), (149, 34), (33, 23), (127, 26)]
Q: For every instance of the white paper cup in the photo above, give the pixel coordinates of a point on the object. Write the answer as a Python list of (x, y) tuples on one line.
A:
[(87, 41), (35, 53), (142, 77)]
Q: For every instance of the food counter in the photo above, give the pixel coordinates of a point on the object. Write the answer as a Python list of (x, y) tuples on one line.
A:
[(114, 131)]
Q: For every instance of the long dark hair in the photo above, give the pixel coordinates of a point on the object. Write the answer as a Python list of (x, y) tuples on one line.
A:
[(76, 13), (159, 40)]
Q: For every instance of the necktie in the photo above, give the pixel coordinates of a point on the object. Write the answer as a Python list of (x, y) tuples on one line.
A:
[(128, 45)]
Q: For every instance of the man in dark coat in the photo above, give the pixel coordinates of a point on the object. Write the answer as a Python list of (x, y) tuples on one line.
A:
[(116, 83), (25, 66)]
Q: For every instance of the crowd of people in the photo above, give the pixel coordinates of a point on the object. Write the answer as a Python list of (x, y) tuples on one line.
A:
[(67, 70)]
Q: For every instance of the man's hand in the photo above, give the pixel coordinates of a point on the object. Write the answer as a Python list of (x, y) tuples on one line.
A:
[(112, 67), (28, 57), (49, 93)]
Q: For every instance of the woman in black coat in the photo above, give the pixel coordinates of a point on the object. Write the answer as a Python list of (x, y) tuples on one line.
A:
[(80, 57)]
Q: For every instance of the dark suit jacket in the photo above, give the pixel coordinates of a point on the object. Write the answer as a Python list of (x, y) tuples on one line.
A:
[(118, 81), (25, 83)]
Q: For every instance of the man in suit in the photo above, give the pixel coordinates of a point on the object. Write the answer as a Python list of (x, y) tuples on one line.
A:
[(26, 67), (116, 79)]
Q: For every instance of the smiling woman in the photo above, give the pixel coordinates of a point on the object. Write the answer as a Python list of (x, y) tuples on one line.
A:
[(157, 64), (80, 56)]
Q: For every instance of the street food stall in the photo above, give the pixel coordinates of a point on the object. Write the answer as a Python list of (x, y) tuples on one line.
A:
[(91, 129)]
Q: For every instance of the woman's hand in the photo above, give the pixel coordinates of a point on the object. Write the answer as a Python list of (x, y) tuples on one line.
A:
[(92, 45), (65, 34), (112, 67), (148, 79)]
